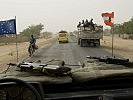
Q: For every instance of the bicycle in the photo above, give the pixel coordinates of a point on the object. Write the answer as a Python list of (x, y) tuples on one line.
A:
[(31, 50)]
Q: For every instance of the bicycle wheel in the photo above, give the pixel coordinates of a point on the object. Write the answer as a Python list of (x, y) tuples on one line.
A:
[(30, 50)]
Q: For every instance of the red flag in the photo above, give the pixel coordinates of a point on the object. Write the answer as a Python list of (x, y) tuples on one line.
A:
[(108, 18)]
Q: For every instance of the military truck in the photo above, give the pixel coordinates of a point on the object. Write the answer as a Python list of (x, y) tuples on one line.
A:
[(87, 36)]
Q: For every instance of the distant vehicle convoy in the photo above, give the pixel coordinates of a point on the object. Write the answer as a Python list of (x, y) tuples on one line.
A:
[(89, 34), (63, 37)]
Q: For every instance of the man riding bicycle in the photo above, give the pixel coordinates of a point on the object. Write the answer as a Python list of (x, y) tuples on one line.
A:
[(32, 43)]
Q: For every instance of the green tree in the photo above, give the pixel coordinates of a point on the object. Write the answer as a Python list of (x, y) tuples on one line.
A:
[(33, 29), (124, 28)]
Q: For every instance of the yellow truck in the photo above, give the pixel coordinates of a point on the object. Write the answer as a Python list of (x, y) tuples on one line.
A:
[(63, 37)]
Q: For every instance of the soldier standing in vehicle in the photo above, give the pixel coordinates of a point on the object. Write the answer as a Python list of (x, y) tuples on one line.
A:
[(91, 23), (86, 23), (83, 24), (79, 25)]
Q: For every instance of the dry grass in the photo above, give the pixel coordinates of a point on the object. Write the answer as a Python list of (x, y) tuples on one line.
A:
[(9, 54), (122, 47), (12, 39)]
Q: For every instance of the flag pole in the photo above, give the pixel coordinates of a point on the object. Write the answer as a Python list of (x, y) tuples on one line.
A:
[(112, 28), (16, 41), (112, 41), (107, 21)]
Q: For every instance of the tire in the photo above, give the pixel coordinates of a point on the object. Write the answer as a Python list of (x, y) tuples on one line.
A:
[(97, 44), (30, 50), (81, 43), (78, 41)]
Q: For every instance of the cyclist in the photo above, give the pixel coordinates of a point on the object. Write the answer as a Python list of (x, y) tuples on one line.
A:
[(32, 43)]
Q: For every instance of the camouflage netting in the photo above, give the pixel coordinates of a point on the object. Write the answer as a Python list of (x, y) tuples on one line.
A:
[(35, 76), (94, 69)]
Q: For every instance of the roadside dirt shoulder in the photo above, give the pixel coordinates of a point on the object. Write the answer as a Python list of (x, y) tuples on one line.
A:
[(122, 47), (9, 54)]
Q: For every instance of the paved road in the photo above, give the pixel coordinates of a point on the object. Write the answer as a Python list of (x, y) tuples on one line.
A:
[(70, 52)]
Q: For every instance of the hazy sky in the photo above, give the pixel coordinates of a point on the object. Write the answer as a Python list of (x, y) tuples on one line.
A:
[(56, 15)]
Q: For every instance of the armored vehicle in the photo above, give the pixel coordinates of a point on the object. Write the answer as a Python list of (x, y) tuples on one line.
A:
[(99, 78)]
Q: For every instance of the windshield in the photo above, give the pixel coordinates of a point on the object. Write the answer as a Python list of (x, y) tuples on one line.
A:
[(66, 49), (62, 35), (32, 31)]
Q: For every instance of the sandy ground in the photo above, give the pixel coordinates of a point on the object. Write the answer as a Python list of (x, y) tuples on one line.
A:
[(8, 52), (122, 47)]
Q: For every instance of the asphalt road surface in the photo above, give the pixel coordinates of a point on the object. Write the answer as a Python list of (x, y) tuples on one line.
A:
[(70, 52)]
